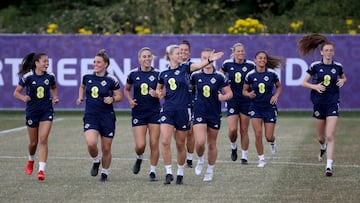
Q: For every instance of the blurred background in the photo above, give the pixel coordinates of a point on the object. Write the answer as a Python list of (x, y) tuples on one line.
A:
[(179, 16)]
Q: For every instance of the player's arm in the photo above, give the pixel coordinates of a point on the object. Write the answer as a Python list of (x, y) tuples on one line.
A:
[(81, 94), (128, 96)]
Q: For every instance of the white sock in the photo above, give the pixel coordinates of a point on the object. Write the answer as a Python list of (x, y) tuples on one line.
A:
[(42, 166), (105, 171), (244, 154), (180, 170), (233, 145), (152, 168), (329, 163), (189, 156), (261, 157), (31, 157), (323, 146), (96, 159), (139, 156), (201, 159), (210, 169), (168, 169)]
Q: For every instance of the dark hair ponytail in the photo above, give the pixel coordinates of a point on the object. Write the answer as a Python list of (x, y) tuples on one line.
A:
[(309, 43), (28, 62), (272, 61)]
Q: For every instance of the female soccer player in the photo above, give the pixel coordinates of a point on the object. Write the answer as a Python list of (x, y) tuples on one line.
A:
[(236, 69), (173, 86), (327, 77), (259, 87), (209, 85), (101, 90), (145, 110), (39, 109)]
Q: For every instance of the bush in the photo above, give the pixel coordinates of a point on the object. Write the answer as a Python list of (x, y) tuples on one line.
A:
[(181, 17)]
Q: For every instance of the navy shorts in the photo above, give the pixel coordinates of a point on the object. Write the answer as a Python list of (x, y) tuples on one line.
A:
[(33, 121), (149, 118), (321, 111), (213, 123), (180, 119), (267, 114), (234, 108), (103, 123)]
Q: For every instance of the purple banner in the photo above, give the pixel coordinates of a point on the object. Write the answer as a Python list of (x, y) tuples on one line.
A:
[(72, 55)]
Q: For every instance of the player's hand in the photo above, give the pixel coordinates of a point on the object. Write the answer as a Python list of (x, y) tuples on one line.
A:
[(132, 103), (273, 100), (320, 87), (252, 94), (109, 100), (340, 82), (79, 101), (55, 100)]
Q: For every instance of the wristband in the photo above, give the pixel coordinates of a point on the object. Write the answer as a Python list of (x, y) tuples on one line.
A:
[(209, 61)]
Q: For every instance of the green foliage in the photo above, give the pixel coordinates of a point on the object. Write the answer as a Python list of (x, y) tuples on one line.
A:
[(179, 17)]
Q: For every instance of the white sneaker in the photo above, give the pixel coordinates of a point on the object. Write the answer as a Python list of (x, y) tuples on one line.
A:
[(261, 164), (198, 168), (273, 148), (208, 177)]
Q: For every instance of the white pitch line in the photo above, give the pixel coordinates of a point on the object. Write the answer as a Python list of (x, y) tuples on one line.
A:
[(3, 132), (269, 161)]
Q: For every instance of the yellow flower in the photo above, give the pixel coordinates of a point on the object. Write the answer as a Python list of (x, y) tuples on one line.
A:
[(352, 32), (49, 31), (52, 26), (106, 33), (349, 21), (295, 25), (147, 31), (82, 30), (245, 26)]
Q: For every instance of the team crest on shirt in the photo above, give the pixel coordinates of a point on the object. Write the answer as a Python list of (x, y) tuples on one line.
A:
[(46, 82), (321, 70), (199, 80), (89, 81), (232, 68), (333, 71), (137, 78), (244, 68), (255, 79), (177, 72), (266, 78), (34, 82), (103, 83), (213, 80), (151, 78)]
